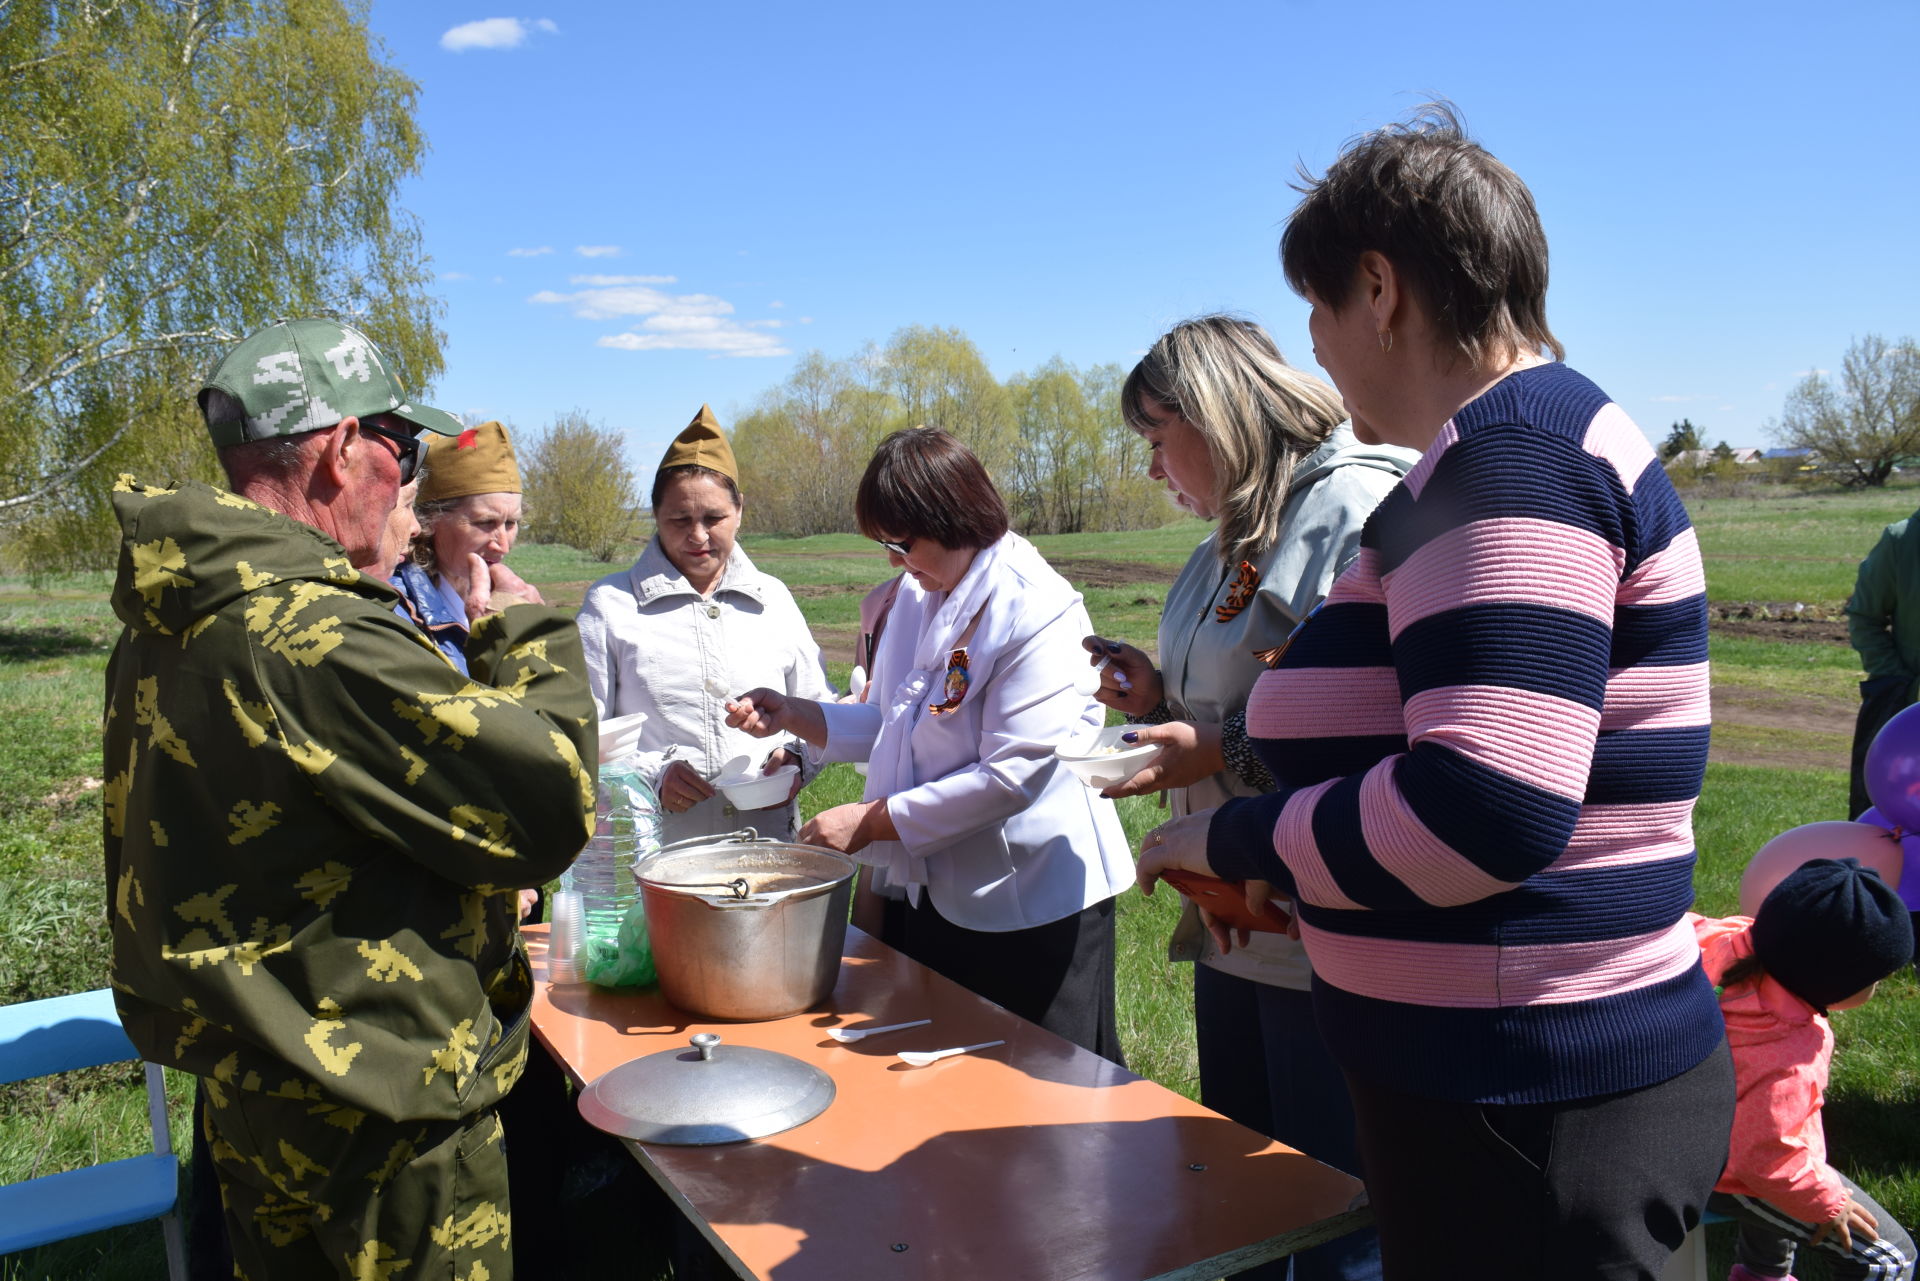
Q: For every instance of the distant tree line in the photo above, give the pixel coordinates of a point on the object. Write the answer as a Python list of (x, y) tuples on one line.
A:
[(1053, 439)]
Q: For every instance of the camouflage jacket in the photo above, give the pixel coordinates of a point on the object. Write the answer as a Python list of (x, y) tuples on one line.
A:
[(315, 825)]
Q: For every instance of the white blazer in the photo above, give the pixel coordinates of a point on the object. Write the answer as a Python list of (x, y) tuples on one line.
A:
[(652, 642), (1000, 836)]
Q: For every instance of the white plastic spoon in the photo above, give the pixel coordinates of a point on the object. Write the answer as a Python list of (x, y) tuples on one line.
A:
[(851, 1034), (920, 1058), (1089, 682)]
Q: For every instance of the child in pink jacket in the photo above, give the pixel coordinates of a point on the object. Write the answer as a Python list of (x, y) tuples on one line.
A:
[(1822, 940)]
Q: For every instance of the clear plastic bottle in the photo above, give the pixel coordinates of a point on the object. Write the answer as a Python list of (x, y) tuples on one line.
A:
[(613, 945)]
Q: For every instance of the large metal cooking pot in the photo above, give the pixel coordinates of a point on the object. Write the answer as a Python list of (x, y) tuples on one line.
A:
[(745, 928)]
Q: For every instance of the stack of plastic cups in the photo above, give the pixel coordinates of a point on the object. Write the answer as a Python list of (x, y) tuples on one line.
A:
[(564, 937)]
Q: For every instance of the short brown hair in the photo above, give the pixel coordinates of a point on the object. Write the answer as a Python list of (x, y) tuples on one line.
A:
[(923, 483), (667, 475), (1458, 225)]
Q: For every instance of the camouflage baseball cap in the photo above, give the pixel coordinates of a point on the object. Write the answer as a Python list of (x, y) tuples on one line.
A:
[(298, 376)]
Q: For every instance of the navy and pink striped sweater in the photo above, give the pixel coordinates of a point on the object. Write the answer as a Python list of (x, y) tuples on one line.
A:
[(1488, 744)]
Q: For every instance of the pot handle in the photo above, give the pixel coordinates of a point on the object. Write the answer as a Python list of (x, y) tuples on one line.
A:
[(745, 836)]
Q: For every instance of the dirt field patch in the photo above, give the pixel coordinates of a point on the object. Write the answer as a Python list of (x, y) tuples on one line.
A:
[(1113, 573)]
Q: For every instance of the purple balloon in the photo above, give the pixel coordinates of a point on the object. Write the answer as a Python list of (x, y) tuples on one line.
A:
[(1893, 770), (1874, 818)]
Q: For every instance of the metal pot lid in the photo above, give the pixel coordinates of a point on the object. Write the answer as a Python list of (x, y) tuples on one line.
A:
[(712, 1093)]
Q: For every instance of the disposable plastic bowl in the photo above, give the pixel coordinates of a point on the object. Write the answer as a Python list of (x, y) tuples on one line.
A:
[(758, 791), (1101, 760)]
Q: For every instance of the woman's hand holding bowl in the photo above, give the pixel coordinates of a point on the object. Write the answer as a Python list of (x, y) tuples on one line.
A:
[(682, 788), (780, 760), (1140, 691), (1189, 752)]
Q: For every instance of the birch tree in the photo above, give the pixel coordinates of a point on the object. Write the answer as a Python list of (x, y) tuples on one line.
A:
[(174, 174)]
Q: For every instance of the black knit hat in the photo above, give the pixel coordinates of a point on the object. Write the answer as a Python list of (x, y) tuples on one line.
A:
[(1831, 929)]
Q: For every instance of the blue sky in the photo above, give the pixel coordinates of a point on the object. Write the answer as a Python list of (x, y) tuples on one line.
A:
[(634, 208)]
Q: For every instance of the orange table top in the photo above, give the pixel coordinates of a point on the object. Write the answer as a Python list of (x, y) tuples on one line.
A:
[(1036, 1159)]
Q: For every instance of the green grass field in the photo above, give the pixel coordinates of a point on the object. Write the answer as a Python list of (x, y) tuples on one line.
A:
[(53, 650)]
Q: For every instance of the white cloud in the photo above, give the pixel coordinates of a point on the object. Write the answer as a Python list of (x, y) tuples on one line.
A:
[(766, 324), (623, 280), (776, 305), (666, 321), (597, 251), (494, 33), (808, 320), (609, 302), (722, 338), (1674, 400), (455, 275), (1811, 373), (530, 253)]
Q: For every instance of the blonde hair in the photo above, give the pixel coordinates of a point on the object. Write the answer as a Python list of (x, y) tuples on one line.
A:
[(1259, 416)]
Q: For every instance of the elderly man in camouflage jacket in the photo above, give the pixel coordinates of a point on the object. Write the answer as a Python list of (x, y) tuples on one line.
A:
[(316, 826)]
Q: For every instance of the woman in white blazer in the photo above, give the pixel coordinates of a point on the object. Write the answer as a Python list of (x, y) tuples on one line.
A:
[(693, 615), (1004, 867)]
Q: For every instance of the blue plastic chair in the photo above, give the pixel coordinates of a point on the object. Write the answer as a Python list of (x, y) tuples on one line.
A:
[(65, 1034)]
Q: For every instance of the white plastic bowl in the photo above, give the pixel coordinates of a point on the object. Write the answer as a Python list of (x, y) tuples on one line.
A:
[(1093, 760), (757, 791)]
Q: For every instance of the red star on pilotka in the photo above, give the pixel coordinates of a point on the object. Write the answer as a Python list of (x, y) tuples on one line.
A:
[(467, 439)]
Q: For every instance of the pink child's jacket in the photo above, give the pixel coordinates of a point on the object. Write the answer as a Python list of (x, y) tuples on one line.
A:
[(1781, 1049)]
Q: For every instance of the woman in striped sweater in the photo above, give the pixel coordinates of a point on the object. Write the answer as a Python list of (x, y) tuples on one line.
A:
[(1487, 746)]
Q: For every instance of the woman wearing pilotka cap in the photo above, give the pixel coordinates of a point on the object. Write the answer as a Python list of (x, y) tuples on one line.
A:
[(692, 616), (468, 507)]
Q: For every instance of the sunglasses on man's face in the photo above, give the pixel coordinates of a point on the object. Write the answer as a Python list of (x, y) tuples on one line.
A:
[(901, 548), (409, 451)]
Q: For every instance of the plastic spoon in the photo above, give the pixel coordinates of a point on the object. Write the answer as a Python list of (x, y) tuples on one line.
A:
[(1089, 682), (920, 1058), (851, 1034)]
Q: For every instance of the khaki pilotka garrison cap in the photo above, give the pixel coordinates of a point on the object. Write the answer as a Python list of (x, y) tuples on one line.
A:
[(480, 461), (702, 445), (298, 376)]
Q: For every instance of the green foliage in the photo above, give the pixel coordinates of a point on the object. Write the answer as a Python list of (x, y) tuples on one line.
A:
[(1052, 440), (1078, 466), (1683, 437), (1862, 428), (579, 489), (176, 174)]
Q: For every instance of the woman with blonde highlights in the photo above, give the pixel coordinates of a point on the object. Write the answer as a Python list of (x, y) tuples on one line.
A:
[(1240, 435)]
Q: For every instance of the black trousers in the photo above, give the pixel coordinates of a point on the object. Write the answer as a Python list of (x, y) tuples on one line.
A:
[(1881, 699), (1604, 1187), (1059, 975)]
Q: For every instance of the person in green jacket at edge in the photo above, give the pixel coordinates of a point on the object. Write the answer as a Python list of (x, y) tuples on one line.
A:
[(312, 863), (1883, 623)]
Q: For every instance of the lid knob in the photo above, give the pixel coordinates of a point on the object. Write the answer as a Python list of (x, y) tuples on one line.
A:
[(704, 1042)]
